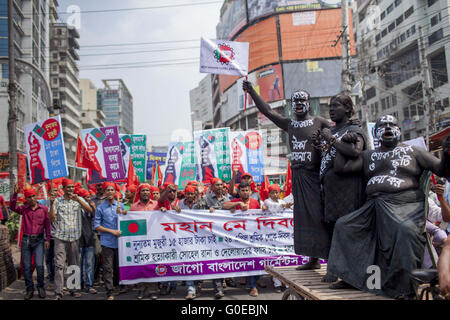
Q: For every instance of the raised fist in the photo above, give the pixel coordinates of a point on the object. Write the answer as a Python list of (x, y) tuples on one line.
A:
[(350, 137), (247, 85)]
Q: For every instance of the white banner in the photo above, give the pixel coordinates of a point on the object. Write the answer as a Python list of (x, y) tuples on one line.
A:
[(224, 57), (195, 244)]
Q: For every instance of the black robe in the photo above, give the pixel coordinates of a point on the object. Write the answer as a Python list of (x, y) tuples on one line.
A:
[(386, 232), (311, 234), (341, 194)]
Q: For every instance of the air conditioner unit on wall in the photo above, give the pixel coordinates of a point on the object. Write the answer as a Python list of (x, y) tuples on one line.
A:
[(416, 118)]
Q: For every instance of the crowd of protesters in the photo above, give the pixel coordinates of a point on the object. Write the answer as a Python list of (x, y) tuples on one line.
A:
[(79, 226)]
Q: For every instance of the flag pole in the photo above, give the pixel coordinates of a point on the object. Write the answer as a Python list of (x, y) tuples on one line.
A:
[(245, 100)]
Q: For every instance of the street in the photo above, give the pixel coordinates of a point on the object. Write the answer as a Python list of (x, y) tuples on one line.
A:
[(17, 289)]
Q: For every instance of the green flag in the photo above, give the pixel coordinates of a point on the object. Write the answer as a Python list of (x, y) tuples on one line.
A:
[(133, 228), (39, 130), (98, 135)]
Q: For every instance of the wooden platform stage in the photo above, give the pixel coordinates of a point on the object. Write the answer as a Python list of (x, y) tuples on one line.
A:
[(307, 285)]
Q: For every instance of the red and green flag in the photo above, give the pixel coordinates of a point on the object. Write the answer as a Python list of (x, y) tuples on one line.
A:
[(133, 227), (98, 135)]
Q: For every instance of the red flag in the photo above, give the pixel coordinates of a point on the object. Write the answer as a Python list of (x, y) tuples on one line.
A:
[(157, 176), (160, 175), (288, 184), (132, 176), (264, 191), (83, 159)]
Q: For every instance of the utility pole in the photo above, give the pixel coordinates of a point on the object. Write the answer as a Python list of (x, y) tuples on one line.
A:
[(12, 117), (426, 90), (346, 83)]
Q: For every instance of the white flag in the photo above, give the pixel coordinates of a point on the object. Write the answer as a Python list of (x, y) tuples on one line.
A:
[(224, 57)]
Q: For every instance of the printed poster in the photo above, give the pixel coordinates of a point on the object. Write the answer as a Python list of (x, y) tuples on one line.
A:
[(103, 146), (181, 164), (247, 153), (152, 157), (195, 245), (46, 156), (212, 150)]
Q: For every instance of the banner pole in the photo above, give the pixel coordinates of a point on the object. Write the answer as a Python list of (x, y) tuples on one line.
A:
[(245, 100)]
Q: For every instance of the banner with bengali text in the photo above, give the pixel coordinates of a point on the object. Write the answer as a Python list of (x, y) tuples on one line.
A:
[(103, 146), (46, 155), (195, 244)]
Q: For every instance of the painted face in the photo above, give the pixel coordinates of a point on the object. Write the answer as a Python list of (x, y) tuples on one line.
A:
[(387, 130), (337, 111), (300, 102)]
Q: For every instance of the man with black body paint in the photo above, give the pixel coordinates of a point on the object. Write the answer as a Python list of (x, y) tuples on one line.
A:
[(387, 231), (311, 237)]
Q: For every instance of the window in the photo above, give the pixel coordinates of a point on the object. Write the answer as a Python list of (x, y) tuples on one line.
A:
[(439, 69), (435, 19), (378, 37), (445, 103), (435, 36), (389, 9), (420, 110), (399, 20), (3, 27), (391, 26), (431, 2), (394, 99), (383, 33), (409, 12), (383, 105), (413, 29), (370, 93), (388, 103), (5, 71), (406, 112), (397, 3), (402, 37), (383, 15), (379, 54)]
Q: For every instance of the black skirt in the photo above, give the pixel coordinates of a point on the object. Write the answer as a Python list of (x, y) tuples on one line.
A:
[(388, 232), (311, 234)]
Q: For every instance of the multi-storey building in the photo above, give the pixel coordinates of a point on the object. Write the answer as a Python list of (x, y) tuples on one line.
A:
[(91, 116), (390, 62), (201, 104), (31, 36), (292, 46), (65, 83), (116, 102)]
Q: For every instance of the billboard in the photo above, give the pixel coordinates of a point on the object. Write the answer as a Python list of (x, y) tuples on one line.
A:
[(321, 78), (258, 9), (311, 35), (268, 82)]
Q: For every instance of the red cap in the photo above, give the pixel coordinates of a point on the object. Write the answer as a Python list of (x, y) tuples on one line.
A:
[(190, 189), (273, 187), (29, 192), (83, 193), (215, 180), (107, 184), (66, 182), (132, 188)]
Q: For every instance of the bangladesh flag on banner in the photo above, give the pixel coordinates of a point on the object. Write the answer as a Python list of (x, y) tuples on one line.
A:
[(133, 228), (39, 130), (127, 140), (98, 135)]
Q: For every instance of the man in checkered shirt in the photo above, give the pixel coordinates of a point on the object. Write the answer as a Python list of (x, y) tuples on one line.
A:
[(65, 214)]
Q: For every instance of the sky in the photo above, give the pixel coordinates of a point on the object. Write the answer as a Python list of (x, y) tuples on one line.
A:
[(160, 93)]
